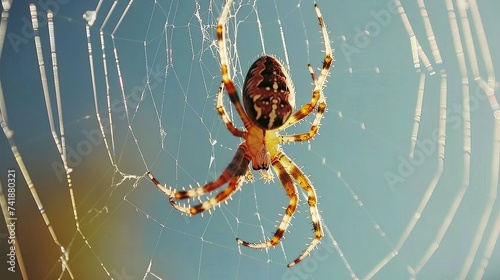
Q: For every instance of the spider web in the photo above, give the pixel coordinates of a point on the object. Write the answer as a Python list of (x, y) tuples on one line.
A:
[(406, 163)]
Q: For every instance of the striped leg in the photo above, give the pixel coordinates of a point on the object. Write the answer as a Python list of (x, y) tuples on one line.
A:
[(303, 112), (320, 82), (292, 169), (291, 191), (226, 77), (315, 125), (222, 112), (233, 186), (236, 168)]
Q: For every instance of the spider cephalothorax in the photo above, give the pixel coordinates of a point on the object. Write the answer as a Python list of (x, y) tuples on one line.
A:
[(268, 99), (268, 95)]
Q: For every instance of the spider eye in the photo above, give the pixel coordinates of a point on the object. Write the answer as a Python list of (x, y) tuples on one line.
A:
[(268, 95)]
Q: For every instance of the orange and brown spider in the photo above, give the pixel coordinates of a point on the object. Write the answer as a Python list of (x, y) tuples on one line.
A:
[(268, 101)]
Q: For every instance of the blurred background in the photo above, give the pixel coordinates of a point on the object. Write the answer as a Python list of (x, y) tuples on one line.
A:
[(152, 71)]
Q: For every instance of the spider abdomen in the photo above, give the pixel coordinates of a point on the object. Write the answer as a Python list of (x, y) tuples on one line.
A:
[(268, 93)]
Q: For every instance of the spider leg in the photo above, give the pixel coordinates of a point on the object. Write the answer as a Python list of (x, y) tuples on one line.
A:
[(303, 112), (291, 191), (236, 168), (307, 108), (328, 50), (292, 169), (226, 77), (315, 124), (233, 186), (222, 112), (320, 82)]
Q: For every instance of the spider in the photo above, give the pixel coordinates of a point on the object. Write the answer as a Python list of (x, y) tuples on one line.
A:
[(268, 101)]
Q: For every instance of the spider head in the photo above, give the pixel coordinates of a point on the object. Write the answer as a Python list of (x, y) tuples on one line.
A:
[(268, 93)]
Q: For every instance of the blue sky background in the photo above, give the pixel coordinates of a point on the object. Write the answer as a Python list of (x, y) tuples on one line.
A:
[(171, 84)]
